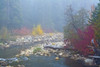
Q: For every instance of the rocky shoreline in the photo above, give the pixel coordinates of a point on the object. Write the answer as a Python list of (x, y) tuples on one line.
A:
[(48, 46), (39, 50), (59, 53)]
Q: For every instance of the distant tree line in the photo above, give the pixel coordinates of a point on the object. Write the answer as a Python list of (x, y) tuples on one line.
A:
[(10, 16)]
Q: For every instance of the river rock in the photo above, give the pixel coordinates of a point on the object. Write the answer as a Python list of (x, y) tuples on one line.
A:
[(9, 66), (45, 54), (65, 55), (21, 66), (60, 54), (88, 61), (17, 55), (3, 63), (56, 58), (41, 54)]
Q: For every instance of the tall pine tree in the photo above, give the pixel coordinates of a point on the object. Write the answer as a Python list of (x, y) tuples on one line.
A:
[(96, 21)]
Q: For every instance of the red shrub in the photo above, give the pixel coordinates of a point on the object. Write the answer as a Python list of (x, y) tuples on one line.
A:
[(83, 41), (22, 31)]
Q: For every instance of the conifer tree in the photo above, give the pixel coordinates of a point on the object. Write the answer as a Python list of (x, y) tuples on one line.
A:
[(96, 21)]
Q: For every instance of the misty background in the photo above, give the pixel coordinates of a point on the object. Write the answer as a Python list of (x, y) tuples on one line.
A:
[(48, 13)]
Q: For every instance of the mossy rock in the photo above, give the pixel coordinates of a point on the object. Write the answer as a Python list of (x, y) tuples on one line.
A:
[(37, 50)]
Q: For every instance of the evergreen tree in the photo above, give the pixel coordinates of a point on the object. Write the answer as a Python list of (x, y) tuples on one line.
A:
[(96, 21)]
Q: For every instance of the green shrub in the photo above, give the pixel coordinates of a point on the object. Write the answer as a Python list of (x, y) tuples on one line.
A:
[(37, 50)]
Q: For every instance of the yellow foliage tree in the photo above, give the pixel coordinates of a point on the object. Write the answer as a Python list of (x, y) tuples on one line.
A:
[(34, 31), (37, 30)]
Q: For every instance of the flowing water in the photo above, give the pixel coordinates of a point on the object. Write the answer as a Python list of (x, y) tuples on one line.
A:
[(34, 61), (43, 61)]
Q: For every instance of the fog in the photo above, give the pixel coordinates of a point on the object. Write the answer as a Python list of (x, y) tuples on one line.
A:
[(50, 13), (49, 33)]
